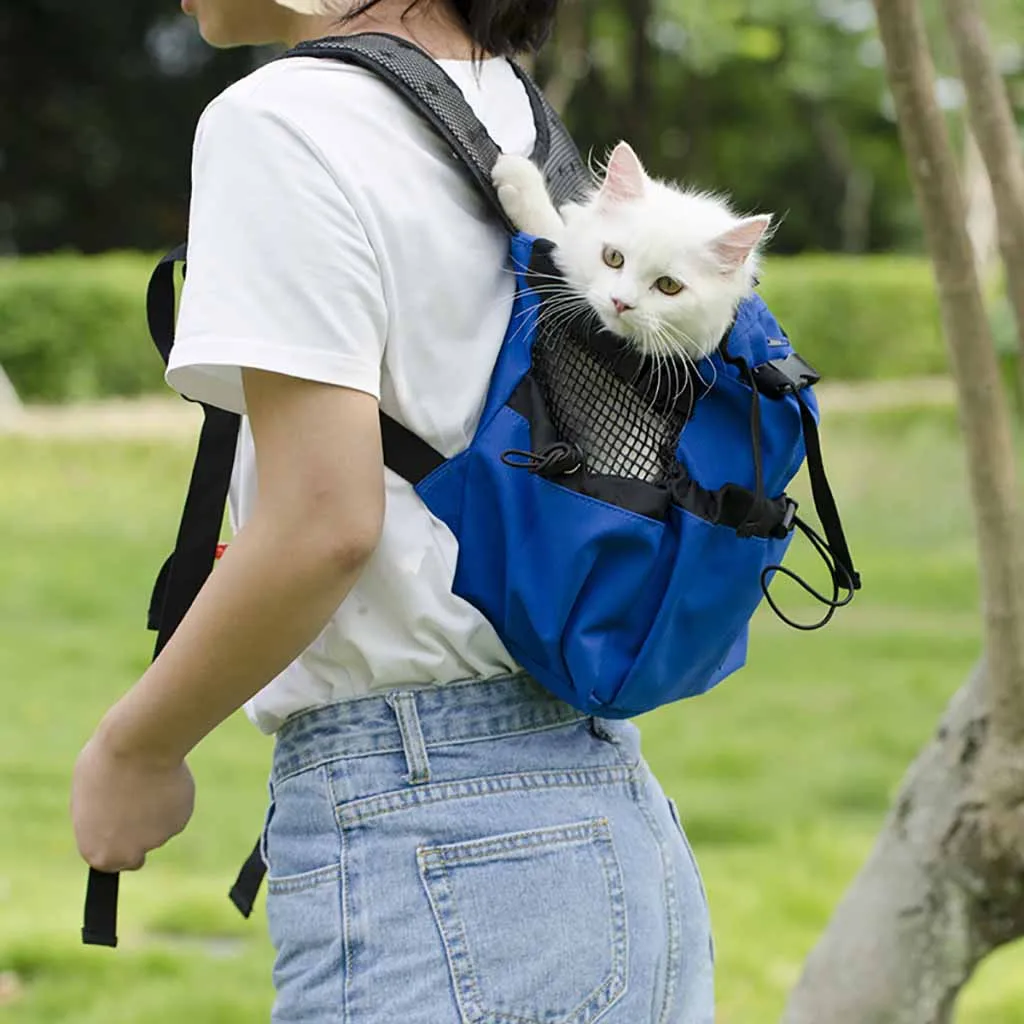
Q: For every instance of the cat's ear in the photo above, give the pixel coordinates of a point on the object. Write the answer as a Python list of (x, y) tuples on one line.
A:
[(734, 247), (626, 178)]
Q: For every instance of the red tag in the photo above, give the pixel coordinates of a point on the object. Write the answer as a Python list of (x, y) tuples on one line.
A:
[(221, 548)]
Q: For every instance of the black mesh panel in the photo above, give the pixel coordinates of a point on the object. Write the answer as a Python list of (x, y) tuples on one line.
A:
[(618, 425)]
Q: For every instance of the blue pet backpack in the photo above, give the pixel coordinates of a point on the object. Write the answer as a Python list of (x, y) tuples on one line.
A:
[(617, 532)]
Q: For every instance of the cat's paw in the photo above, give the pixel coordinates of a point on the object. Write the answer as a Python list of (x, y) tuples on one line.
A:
[(523, 194), (517, 180)]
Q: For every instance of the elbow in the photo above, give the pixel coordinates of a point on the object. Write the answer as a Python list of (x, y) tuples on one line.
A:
[(348, 550), (352, 541)]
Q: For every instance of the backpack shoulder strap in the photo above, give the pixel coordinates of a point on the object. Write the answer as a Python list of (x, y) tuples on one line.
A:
[(425, 86)]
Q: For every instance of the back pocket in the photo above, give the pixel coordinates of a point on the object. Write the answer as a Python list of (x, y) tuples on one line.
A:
[(533, 923)]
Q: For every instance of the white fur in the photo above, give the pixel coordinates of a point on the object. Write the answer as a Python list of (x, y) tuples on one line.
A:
[(660, 230)]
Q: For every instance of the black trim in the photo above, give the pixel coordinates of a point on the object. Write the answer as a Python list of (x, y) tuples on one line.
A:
[(735, 507), (542, 145), (731, 506), (645, 499)]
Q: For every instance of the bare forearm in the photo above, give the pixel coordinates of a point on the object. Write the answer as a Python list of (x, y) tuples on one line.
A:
[(269, 598)]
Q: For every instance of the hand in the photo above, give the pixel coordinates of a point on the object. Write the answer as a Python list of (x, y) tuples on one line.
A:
[(123, 806)]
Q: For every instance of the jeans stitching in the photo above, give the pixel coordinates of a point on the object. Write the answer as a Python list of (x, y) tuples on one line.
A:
[(346, 938), (435, 864), (671, 900), (485, 736), (357, 811), (454, 940), (288, 884)]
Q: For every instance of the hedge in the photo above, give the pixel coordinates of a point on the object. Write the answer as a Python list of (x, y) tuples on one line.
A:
[(74, 327)]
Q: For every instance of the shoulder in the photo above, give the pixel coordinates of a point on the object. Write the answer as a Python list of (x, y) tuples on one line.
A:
[(309, 98)]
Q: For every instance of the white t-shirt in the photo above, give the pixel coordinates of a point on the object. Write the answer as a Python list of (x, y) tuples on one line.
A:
[(333, 238)]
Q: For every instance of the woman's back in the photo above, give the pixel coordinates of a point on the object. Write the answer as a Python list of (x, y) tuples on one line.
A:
[(309, 173)]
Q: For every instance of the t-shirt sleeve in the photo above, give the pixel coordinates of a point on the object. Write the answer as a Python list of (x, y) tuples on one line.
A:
[(280, 275)]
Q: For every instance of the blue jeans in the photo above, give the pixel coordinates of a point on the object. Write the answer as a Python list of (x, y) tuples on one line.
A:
[(479, 853)]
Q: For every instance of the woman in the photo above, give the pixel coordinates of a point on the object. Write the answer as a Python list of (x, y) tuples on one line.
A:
[(446, 841)]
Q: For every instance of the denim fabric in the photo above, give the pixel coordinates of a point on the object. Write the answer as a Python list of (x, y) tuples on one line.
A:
[(479, 853)]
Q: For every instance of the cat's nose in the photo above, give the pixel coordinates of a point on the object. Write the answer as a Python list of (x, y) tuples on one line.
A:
[(620, 306)]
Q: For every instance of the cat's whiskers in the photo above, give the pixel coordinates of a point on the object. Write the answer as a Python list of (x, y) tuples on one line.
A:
[(562, 311), (689, 346)]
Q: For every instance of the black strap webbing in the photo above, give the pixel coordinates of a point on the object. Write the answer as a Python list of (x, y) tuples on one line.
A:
[(195, 549), (160, 296), (100, 928), (825, 502), (247, 886)]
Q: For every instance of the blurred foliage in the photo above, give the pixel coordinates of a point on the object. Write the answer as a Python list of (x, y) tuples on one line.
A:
[(73, 327), (782, 103), (97, 156)]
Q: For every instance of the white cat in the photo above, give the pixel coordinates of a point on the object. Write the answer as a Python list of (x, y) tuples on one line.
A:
[(663, 267)]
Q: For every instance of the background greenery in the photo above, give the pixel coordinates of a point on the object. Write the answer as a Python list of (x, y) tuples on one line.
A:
[(783, 773), (780, 102), (74, 327)]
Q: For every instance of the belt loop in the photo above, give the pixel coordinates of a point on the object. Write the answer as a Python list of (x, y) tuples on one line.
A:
[(403, 703)]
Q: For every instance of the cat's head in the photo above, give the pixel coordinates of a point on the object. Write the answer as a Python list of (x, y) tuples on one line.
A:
[(663, 267)]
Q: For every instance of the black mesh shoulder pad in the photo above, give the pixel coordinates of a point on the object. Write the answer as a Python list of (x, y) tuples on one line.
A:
[(432, 94)]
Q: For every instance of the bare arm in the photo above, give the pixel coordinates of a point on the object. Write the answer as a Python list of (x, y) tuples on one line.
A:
[(317, 520)]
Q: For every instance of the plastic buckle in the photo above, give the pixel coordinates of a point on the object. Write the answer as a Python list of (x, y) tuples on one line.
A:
[(780, 377)]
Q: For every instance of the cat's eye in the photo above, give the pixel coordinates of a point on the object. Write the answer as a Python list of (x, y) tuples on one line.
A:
[(669, 285), (613, 258)]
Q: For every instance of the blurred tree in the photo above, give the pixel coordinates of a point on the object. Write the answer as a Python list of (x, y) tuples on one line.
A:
[(100, 105), (942, 887), (779, 102), (994, 127)]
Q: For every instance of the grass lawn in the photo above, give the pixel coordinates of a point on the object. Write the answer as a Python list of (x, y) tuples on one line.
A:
[(783, 774)]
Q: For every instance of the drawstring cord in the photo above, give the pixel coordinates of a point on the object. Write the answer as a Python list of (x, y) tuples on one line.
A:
[(558, 459), (834, 552)]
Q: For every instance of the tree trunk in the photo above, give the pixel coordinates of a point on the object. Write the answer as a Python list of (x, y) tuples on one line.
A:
[(639, 114), (945, 882), (982, 222), (995, 128), (10, 403), (570, 54), (933, 900)]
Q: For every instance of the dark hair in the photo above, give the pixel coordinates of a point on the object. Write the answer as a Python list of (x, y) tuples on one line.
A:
[(501, 27)]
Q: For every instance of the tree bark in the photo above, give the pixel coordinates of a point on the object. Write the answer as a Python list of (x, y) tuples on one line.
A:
[(982, 222), (983, 408), (995, 129), (945, 882), (922, 913)]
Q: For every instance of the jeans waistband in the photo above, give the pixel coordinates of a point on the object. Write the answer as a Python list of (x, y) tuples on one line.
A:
[(453, 713)]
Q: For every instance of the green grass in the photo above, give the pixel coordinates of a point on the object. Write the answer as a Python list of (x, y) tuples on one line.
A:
[(783, 774)]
